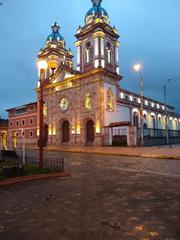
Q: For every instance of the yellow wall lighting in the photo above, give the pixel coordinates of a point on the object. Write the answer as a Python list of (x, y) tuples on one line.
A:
[(37, 132), (78, 129), (98, 130)]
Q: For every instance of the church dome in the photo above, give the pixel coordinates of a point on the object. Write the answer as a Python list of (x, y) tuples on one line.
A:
[(55, 36), (96, 11)]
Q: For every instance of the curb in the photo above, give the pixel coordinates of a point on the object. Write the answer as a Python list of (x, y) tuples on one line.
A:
[(23, 179), (163, 157), (118, 154)]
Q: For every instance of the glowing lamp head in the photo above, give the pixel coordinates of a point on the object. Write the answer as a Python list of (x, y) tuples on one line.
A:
[(42, 64), (137, 67)]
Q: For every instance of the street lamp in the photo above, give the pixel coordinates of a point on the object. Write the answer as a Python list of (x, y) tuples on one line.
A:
[(42, 66), (1, 140), (137, 68), (23, 143)]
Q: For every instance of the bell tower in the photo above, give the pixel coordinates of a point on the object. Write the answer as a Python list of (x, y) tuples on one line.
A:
[(97, 42), (55, 52)]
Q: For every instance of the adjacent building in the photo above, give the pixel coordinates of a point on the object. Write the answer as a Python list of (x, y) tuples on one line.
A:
[(22, 125), (3, 133)]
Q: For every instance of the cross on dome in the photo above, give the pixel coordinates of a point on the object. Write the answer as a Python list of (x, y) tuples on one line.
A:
[(55, 27), (96, 2)]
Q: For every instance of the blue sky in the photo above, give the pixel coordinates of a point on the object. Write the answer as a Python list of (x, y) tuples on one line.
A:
[(149, 34)]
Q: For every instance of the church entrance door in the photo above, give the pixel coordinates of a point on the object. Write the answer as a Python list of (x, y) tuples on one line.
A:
[(90, 132), (65, 132)]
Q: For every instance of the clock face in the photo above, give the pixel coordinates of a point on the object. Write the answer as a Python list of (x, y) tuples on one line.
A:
[(64, 103)]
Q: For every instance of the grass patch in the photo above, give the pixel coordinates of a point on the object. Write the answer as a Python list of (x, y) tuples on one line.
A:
[(27, 170)]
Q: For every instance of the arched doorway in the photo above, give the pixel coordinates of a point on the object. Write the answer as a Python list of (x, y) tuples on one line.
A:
[(65, 132), (90, 132)]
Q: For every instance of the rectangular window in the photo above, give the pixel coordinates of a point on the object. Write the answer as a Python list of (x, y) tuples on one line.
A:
[(17, 123), (23, 122), (10, 124)]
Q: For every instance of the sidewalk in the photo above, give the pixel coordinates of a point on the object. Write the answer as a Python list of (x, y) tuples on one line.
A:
[(164, 152)]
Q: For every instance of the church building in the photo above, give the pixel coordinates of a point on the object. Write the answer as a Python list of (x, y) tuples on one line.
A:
[(87, 106)]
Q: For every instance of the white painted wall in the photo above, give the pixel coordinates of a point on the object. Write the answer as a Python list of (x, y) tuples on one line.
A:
[(120, 114)]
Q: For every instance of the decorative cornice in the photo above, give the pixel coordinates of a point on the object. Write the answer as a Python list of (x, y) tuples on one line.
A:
[(99, 34), (78, 43), (116, 43)]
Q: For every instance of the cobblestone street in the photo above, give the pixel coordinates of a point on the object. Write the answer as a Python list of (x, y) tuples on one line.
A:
[(107, 197)]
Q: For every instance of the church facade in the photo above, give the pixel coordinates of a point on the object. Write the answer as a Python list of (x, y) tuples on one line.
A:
[(87, 106)]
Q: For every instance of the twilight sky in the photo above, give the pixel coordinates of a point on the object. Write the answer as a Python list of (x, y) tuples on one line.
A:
[(149, 34)]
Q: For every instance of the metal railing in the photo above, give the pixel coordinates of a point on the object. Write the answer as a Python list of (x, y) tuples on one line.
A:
[(158, 133)]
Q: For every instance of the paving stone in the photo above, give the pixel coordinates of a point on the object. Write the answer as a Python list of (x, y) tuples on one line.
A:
[(105, 199)]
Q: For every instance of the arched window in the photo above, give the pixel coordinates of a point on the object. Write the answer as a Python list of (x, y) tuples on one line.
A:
[(110, 100), (109, 53), (135, 119), (88, 101), (88, 53)]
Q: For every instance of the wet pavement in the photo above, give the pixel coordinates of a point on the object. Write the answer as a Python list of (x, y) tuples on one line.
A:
[(107, 197)]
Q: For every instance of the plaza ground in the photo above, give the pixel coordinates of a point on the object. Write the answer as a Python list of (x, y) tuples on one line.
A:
[(107, 197)]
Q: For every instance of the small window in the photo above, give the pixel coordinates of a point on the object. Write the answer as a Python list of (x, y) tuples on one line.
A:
[(126, 97), (17, 123), (31, 133), (10, 124), (31, 121), (31, 108), (23, 122), (17, 134)]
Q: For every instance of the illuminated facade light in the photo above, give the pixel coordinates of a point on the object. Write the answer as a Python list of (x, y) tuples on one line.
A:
[(98, 130), (122, 95), (135, 110), (96, 63), (131, 98), (159, 116), (78, 129), (37, 132), (117, 70), (153, 114), (170, 118), (144, 112)]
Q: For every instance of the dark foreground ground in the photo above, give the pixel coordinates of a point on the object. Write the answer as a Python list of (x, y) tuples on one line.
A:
[(107, 197)]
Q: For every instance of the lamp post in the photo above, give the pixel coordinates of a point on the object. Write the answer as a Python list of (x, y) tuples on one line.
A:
[(23, 143), (1, 140), (42, 66), (137, 68)]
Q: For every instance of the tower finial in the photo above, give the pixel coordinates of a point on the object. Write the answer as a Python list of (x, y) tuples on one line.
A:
[(55, 27), (96, 2)]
